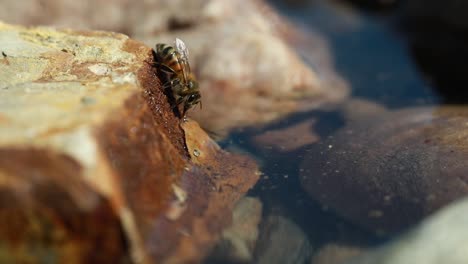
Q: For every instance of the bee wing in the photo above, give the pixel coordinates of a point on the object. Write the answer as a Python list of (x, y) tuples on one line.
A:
[(183, 51), (181, 48)]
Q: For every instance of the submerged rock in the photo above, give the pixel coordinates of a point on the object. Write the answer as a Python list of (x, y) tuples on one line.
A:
[(335, 253), (238, 241), (388, 171), (281, 241), (94, 165), (289, 138)]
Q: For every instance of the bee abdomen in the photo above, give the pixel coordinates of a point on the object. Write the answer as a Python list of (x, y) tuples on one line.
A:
[(165, 51), (169, 56)]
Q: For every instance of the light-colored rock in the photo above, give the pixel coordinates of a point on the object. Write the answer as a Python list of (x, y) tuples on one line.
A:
[(238, 241), (281, 241), (442, 238), (53, 109)]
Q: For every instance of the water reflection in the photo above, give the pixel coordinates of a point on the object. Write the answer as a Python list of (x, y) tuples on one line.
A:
[(361, 173), (368, 52)]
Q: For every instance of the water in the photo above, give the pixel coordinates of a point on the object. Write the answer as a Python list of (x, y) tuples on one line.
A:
[(373, 54), (369, 52)]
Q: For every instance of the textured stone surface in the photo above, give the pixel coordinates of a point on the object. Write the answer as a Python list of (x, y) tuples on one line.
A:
[(214, 183), (442, 238), (389, 171), (238, 241), (244, 54), (289, 138), (94, 166), (281, 241)]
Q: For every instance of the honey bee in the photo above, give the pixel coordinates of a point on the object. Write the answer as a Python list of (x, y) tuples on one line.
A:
[(173, 63)]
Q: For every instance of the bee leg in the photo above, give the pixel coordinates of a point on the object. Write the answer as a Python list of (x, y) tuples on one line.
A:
[(173, 84), (167, 85), (179, 101), (166, 69), (186, 107)]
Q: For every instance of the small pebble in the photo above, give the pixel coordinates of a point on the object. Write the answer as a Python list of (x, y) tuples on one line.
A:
[(196, 153)]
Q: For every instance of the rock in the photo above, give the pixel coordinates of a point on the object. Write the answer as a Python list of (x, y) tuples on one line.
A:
[(358, 109), (214, 184), (238, 241), (94, 165), (289, 138), (388, 172), (281, 241), (248, 71), (335, 254), (442, 238)]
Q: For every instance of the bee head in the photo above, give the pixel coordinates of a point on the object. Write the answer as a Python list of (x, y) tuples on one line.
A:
[(193, 99)]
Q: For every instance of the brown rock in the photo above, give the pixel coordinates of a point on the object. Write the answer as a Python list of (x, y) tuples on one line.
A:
[(94, 166), (387, 172), (358, 109), (288, 138), (47, 211), (214, 181)]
